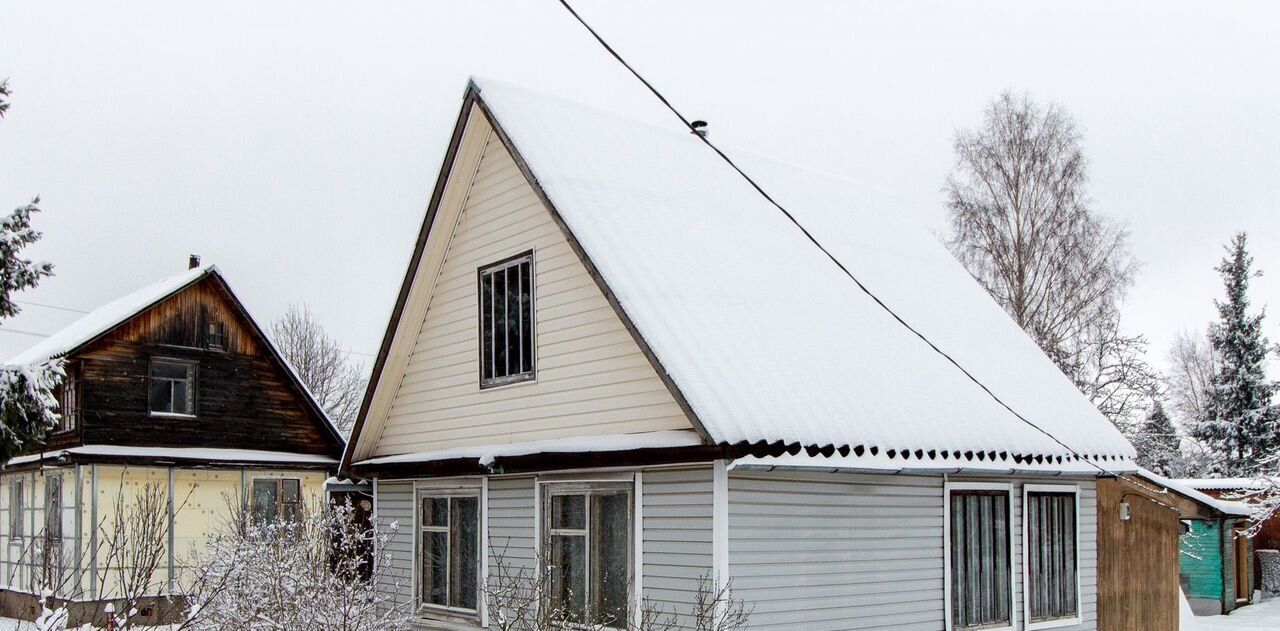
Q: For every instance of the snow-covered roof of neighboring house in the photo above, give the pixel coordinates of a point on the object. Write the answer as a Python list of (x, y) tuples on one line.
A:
[(1238, 509), (190, 454), (762, 334), (101, 320), (1227, 484)]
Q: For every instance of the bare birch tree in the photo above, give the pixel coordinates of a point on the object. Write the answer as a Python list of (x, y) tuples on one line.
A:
[(321, 363), (1022, 225)]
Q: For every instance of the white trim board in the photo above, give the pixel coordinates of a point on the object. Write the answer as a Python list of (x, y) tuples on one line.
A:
[(1027, 490), (947, 487)]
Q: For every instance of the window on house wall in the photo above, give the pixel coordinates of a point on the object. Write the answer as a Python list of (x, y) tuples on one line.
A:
[(1052, 559), (980, 559), (506, 321), (449, 549), (588, 549), (53, 508), (216, 335), (69, 402), (276, 501), (16, 521), (173, 387)]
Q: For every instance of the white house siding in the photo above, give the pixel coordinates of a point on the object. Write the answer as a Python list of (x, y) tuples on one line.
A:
[(832, 551), (677, 550), (592, 378), (394, 520), (676, 527)]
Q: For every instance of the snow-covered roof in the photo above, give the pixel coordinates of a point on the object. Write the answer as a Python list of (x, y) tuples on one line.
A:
[(198, 454), (487, 454), (762, 334), (1238, 509), (101, 320), (1227, 484)]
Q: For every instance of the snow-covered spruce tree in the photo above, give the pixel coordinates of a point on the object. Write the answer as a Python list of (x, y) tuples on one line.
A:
[(1157, 442), (28, 407), (1240, 424)]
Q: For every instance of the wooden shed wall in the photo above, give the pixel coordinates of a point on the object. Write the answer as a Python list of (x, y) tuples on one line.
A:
[(1137, 561)]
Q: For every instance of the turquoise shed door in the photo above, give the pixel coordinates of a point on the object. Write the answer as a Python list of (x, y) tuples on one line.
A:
[(1200, 560)]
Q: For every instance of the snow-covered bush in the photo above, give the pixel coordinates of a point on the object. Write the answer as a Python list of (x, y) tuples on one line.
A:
[(521, 597), (305, 574)]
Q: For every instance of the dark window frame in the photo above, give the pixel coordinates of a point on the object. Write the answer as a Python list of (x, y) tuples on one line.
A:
[(487, 345), (285, 512), (450, 495), (1065, 619), (215, 335), (69, 405), (1004, 491), (193, 375), (592, 540)]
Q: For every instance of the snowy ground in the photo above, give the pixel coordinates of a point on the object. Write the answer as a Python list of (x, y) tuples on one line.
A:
[(1264, 616)]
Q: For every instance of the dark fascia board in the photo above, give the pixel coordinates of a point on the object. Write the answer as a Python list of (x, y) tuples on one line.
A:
[(60, 459), (547, 461), (473, 98)]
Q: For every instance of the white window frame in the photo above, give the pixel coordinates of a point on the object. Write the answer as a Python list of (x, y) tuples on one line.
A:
[(193, 370), (467, 487), (947, 487), (17, 490), (609, 479), (69, 401), (1027, 490)]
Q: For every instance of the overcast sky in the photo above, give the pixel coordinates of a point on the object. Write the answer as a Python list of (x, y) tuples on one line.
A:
[(296, 144)]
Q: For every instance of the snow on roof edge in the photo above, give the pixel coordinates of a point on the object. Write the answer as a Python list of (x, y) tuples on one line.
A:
[(108, 316), (883, 464), (485, 454), (1239, 509), (185, 453), (1226, 484)]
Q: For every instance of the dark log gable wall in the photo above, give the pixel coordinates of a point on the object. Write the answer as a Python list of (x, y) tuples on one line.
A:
[(244, 399)]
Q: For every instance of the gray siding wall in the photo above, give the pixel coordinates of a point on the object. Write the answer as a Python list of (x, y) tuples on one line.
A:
[(677, 538), (834, 551), (394, 519), (511, 524), (825, 551)]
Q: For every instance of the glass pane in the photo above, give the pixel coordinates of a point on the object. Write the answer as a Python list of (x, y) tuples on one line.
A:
[(1051, 538), (500, 332), (168, 370), (980, 560), (161, 396), (486, 326), (611, 536), (435, 567), (569, 512), (464, 563), (266, 506), (569, 577), (435, 511), (526, 317), (181, 397)]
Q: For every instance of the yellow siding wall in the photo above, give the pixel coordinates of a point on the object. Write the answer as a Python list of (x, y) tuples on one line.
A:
[(203, 505), (592, 377)]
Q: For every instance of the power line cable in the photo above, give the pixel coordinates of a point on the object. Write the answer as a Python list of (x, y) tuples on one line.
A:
[(37, 304), (21, 332), (703, 137)]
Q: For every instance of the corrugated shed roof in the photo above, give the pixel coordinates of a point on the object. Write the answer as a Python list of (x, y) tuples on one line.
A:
[(763, 335)]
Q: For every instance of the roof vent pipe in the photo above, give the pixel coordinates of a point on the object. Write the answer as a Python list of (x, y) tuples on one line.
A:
[(193, 261)]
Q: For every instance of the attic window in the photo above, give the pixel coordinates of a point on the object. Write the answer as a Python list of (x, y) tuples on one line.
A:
[(216, 336), (506, 321)]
